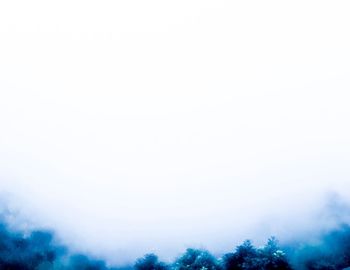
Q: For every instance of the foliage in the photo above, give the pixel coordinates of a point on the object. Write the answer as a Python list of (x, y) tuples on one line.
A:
[(331, 252), (31, 252), (247, 257), (83, 262), (150, 262), (38, 250), (196, 259)]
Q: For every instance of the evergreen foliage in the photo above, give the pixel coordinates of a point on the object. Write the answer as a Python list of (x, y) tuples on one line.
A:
[(39, 251)]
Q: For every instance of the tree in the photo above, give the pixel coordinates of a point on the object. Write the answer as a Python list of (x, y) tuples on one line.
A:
[(196, 259), (273, 257), (150, 262), (82, 262), (245, 257)]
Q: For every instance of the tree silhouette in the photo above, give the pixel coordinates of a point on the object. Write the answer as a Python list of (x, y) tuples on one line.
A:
[(196, 259), (150, 262)]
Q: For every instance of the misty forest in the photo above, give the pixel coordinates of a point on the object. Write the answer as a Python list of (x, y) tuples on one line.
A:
[(40, 250), (174, 135)]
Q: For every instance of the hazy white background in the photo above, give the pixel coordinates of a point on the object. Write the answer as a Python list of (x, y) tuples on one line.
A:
[(139, 126)]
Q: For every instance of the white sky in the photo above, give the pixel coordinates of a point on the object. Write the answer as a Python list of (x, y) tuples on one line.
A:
[(138, 126)]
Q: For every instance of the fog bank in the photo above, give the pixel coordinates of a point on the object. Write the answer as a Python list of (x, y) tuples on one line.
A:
[(149, 127)]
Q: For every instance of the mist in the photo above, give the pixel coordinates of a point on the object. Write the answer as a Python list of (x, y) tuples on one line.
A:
[(136, 127)]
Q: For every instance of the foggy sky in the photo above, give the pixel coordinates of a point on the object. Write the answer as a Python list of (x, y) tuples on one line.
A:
[(150, 126)]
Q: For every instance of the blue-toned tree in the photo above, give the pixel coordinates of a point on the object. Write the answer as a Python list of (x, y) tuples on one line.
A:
[(196, 259), (150, 262)]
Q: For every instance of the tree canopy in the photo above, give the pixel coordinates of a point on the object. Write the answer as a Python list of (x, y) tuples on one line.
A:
[(38, 250)]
